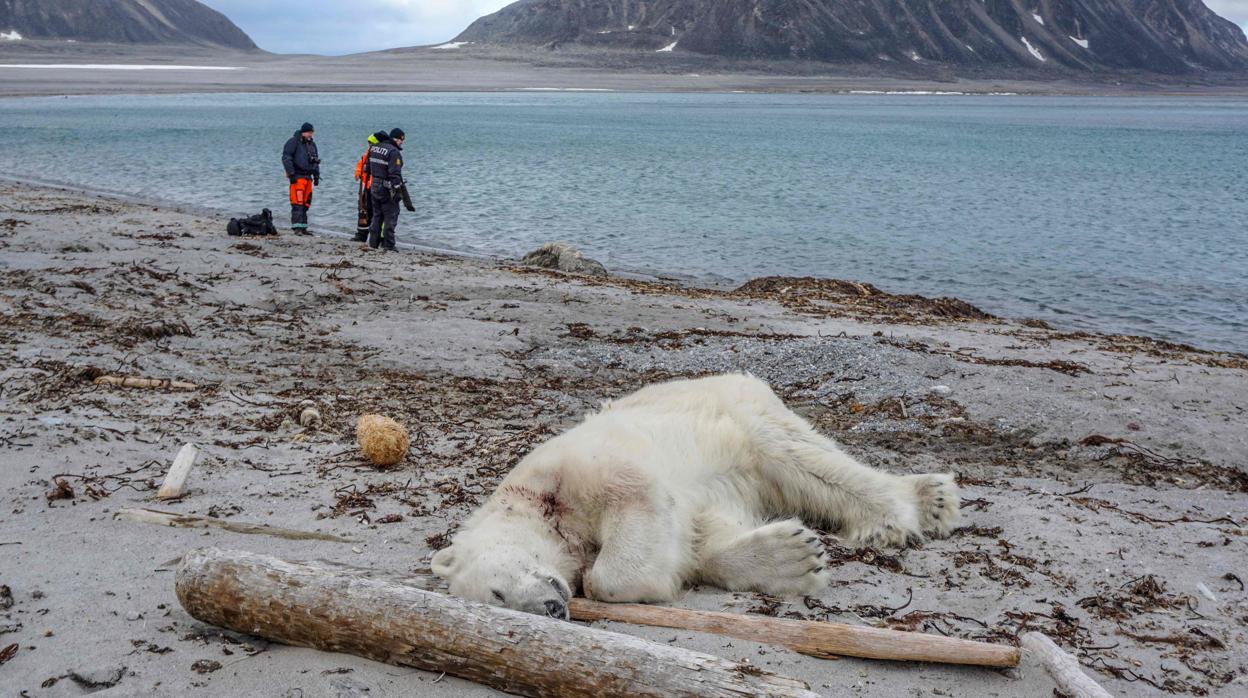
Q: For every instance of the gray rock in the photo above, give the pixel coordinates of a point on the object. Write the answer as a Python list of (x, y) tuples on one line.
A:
[(563, 257)]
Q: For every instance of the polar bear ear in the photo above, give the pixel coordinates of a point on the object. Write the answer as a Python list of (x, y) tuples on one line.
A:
[(444, 562)]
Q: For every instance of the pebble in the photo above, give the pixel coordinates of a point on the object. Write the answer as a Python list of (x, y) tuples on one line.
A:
[(133, 616), (941, 390)]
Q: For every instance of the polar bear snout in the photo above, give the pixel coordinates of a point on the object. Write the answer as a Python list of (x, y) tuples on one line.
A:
[(555, 609), (539, 595)]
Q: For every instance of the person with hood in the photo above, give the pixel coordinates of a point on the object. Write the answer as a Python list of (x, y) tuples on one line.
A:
[(303, 169), (385, 167), (364, 199)]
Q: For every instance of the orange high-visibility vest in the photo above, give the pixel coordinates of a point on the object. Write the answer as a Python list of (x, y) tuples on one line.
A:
[(361, 172)]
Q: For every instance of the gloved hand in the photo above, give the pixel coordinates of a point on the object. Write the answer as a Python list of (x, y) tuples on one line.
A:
[(316, 180), (292, 178)]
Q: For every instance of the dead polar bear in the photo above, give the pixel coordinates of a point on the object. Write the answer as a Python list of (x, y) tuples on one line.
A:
[(691, 481)]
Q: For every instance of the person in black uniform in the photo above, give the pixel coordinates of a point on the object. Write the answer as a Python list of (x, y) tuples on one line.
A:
[(385, 166), (303, 169)]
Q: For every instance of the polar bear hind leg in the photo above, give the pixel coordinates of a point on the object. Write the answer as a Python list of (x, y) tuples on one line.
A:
[(866, 507), (809, 476)]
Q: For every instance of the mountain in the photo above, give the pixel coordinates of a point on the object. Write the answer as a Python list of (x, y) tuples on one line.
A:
[(1161, 36), (122, 21)]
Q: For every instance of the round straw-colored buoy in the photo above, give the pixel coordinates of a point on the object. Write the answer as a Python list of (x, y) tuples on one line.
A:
[(383, 440)]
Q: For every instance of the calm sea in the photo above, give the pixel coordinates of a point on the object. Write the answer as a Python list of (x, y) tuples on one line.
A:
[(1113, 214)]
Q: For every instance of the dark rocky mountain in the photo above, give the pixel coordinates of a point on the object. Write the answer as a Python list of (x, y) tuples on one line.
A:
[(122, 21), (1162, 36)]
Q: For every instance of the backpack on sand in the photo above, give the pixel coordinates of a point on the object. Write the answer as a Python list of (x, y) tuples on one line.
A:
[(259, 224)]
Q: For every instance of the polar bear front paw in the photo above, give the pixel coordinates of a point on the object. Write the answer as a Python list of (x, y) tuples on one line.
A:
[(938, 503), (782, 559)]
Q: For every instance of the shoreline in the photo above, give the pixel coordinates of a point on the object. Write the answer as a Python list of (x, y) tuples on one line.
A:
[(1104, 481), (723, 285)]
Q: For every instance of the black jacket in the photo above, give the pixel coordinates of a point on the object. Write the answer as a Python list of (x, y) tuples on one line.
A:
[(385, 163), (300, 157)]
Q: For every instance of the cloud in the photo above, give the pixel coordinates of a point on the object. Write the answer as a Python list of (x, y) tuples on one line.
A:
[(351, 26), (1234, 10)]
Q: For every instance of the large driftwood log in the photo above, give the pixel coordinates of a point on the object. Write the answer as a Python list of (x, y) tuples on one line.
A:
[(823, 640), (812, 638), (320, 606), (1063, 667)]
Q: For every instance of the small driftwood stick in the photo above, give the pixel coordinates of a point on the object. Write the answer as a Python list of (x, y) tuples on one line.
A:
[(311, 604), (1064, 668), (817, 639), (165, 518), (150, 383), (174, 485)]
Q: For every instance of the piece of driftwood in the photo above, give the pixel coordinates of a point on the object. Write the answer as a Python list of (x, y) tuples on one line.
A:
[(174, 485), (150, 383), (165, 518), (310, 604), (1063, 667), (814, 638)]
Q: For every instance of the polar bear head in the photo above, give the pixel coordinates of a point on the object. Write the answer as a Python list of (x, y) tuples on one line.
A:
[(503, 560)]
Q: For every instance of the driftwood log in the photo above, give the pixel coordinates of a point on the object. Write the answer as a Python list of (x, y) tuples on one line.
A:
[(321, 606), (149, 383), (812, 638), (172, 520), (817, 639), (1064, 668), (174, 485)]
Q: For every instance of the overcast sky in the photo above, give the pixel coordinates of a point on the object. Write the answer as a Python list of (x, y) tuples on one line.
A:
[(350, 26)]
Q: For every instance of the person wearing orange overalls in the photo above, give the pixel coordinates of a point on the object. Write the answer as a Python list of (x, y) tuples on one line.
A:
[(303, 169), (364, 200)]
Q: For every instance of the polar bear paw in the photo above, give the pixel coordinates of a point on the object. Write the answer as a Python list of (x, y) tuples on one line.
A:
[(938, 503), (783, 558), (921, 507)]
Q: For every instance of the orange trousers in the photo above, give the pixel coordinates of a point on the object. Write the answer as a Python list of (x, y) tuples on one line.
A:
[(301, 192)]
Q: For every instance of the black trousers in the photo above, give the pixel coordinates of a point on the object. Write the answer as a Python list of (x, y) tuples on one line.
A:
[(298, 217), (385, 219)]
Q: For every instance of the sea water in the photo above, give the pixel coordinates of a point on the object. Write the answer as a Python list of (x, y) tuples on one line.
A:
[(1112, 214)]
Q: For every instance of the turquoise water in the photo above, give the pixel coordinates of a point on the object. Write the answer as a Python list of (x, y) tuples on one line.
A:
[(1112, 214)]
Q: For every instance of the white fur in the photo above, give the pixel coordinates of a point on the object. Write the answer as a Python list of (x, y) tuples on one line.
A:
[(691, 481)]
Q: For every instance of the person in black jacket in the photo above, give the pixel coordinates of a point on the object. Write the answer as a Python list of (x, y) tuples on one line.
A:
[(385, 166), (303, 169)]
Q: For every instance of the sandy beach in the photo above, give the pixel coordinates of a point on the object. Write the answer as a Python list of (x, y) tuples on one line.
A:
[(1105, 478)]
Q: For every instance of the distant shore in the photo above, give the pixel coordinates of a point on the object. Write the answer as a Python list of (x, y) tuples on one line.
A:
[(469, 69)]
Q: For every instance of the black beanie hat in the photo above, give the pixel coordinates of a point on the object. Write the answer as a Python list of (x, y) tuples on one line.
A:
[(397, 133), (306, 127)]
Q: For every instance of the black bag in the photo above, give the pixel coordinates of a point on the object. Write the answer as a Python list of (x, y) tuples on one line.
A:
[(259, 224)]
